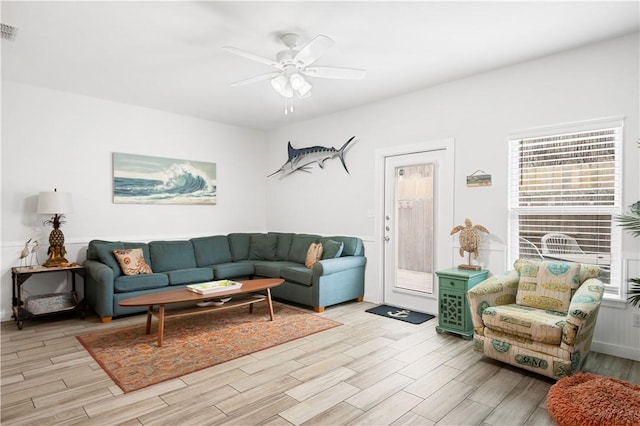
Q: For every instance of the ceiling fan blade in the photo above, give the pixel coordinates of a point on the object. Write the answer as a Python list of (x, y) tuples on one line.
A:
[(255, 79), (335, 72), (253, 57), (313, 50)]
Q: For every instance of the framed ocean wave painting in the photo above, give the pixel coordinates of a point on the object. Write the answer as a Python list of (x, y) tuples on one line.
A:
[(141, 179)]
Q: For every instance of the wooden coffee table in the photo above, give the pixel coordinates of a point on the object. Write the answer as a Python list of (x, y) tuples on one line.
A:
[(240, 296)]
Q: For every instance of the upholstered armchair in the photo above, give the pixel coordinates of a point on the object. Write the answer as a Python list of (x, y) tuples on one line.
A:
[(540, 316)]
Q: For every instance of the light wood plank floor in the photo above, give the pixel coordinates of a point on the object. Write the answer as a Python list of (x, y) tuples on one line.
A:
[(370, 371)]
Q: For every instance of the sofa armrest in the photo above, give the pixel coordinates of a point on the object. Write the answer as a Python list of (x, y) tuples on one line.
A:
[(577, 331), (339, 264), (99, 288), (337, 280), (494, 291)]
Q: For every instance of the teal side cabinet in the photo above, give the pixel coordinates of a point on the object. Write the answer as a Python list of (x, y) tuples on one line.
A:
[(453, 313)]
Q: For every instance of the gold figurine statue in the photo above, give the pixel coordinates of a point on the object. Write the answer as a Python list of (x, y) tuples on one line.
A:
[(469, 241)]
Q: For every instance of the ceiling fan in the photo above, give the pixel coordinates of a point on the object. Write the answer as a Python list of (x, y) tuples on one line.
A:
[(293, 65)]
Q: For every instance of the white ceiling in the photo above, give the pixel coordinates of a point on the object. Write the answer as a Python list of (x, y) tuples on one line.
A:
[(168, 56)]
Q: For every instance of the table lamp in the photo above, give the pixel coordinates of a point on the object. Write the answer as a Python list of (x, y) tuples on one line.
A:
[(55, 203)]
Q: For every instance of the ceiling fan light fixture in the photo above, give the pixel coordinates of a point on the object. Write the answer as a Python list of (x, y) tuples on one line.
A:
[(287, 92), (297, 81), (279, 84), (293, 66), (305, 90), (306, 95)]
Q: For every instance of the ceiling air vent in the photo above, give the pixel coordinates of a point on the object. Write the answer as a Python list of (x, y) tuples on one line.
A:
[(8, 32)]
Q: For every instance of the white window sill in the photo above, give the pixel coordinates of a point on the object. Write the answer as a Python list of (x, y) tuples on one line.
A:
[(611, 302)]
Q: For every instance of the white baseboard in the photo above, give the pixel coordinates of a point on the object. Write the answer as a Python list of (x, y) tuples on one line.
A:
[(616, 350)]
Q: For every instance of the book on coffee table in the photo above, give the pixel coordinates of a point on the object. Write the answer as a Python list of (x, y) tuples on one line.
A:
[(214, 286)]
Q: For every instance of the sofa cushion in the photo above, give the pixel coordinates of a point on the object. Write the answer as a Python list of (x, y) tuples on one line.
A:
[(263, 247), (535, 324), (232, 270), (190, 276), (211, 250), (547, 285), (270, 269), (132, 261), (299, 246), (92, 254), (239, 244), (127, 283), (104, 251), (352, 245), (143, 246), (284, 245), (332, 249), (171, 255), (297, 274)]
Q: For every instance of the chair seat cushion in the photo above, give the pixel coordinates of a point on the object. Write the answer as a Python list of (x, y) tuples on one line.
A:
[(531, 323)]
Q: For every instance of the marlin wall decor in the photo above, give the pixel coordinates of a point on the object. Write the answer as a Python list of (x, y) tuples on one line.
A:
[(300, 159)]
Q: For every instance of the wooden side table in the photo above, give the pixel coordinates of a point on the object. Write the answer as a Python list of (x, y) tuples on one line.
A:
[(44, 304), (453, 313)]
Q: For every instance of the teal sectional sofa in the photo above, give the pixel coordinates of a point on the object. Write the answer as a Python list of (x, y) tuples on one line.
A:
[(338, 277)]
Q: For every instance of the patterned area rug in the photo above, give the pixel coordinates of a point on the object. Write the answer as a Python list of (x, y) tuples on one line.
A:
[(191, 343), (586, 399)]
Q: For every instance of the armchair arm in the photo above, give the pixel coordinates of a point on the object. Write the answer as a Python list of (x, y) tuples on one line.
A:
[(577, 331), (494, 291)]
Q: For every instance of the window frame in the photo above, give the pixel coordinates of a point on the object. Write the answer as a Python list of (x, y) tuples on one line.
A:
[(615, 289)]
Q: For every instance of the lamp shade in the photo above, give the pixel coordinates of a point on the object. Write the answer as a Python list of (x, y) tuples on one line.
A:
[(54, 203)]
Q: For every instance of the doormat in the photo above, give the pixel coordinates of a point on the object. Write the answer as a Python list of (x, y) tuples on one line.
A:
[(400, 314)]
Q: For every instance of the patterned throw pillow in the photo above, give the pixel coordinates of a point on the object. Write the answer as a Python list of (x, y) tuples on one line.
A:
[(132, 262), (314, 253), (547, 285)]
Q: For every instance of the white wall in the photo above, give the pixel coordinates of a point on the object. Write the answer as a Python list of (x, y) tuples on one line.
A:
[(478, 112), (52, 139)]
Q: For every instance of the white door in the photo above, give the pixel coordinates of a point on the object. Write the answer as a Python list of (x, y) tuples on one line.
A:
[(418, 199)]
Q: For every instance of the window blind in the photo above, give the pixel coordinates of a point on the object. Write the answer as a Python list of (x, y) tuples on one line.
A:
[(567, 184)]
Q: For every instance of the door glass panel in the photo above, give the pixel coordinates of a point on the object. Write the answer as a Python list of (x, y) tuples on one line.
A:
[(414, 225)]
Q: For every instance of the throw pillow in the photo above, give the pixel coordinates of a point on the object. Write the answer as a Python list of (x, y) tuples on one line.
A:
[(547, 285), (132, 262), (314, 253), (332, 249)]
